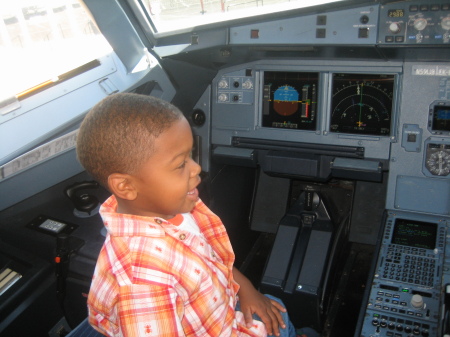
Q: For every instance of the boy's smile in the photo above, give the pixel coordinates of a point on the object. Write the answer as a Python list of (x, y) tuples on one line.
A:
[(166, 184)]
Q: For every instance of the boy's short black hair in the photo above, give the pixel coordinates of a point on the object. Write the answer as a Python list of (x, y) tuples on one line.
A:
[(117, 135)]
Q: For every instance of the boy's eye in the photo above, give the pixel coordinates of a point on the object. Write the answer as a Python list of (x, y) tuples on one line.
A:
[(182, 165)]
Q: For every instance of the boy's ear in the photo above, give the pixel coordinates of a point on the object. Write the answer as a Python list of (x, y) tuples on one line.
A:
[(121, 186)]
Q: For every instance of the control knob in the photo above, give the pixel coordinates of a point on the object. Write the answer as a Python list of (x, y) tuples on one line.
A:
[(417, 301), (445, 23), (223, 84), (222, 97), (247, 84), (395, 28), (420, 24)]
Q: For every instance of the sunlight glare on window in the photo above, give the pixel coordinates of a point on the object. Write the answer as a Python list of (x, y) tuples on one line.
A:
[(40, 39), (170, 15)]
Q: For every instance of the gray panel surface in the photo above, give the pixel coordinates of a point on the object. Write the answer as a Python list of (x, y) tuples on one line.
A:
[(423, 194)]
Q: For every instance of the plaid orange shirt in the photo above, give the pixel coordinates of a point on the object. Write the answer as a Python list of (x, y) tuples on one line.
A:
[(153, 279)]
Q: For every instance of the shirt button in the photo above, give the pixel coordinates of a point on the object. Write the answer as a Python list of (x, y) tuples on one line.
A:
[(158, 221), (182, 236)]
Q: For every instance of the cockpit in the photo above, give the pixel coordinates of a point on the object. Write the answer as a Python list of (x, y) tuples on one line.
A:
[(322, 129)]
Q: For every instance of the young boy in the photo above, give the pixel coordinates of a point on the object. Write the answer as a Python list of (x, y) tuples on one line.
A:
[(166, 268)]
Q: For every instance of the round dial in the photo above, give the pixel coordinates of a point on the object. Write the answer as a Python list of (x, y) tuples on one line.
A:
[(223, 84), (445, 23), (247, 84), (420, 24), (438, 162), (394, 27), (362, 105), (222, 97), (417, 301)]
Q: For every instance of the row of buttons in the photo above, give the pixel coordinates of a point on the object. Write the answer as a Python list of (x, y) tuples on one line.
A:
[(400, 325), (390, 39), (400, 311), (412, 279), (400, 39), (407, 249), (396, 257), (387, 300), (426, 269), (425, 8)]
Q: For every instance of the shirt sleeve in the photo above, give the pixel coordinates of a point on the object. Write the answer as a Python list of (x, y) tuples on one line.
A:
[(149, 311)]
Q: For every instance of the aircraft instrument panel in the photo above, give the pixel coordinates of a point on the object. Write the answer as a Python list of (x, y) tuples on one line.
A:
[(406, 287), (290, 100), (439, 123), (345, 104), (362, 104)]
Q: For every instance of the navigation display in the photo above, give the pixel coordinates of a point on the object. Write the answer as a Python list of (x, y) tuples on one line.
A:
[(290, 100), (362, 104), (441, 118), (415, 234)]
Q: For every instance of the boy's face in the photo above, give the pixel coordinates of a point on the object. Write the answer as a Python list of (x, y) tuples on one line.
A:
[(167, 183)]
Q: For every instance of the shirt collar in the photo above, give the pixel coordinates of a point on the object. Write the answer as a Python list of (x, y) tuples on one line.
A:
[(119, 224)]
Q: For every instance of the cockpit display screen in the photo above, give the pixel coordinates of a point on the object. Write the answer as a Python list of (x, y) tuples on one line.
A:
[(362, 104), (289, 100), (441, 118), (416, 234)]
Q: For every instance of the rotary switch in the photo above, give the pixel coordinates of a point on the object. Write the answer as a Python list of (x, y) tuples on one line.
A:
[(417, 302), (395, 28)]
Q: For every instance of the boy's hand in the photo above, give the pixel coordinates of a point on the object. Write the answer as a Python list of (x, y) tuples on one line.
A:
[(268, 310), (253, 302)]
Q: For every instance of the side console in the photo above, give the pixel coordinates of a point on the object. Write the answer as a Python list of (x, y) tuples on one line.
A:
[(406, 294)]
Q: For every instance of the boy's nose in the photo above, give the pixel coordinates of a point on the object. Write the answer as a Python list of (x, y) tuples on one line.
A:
[(196, 168)]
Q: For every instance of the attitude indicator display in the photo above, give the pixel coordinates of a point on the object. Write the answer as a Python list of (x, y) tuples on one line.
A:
[(290, 100), (362, 104)]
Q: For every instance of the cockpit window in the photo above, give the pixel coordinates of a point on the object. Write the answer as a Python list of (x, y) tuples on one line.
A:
[(42, 39), (171, 15)]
